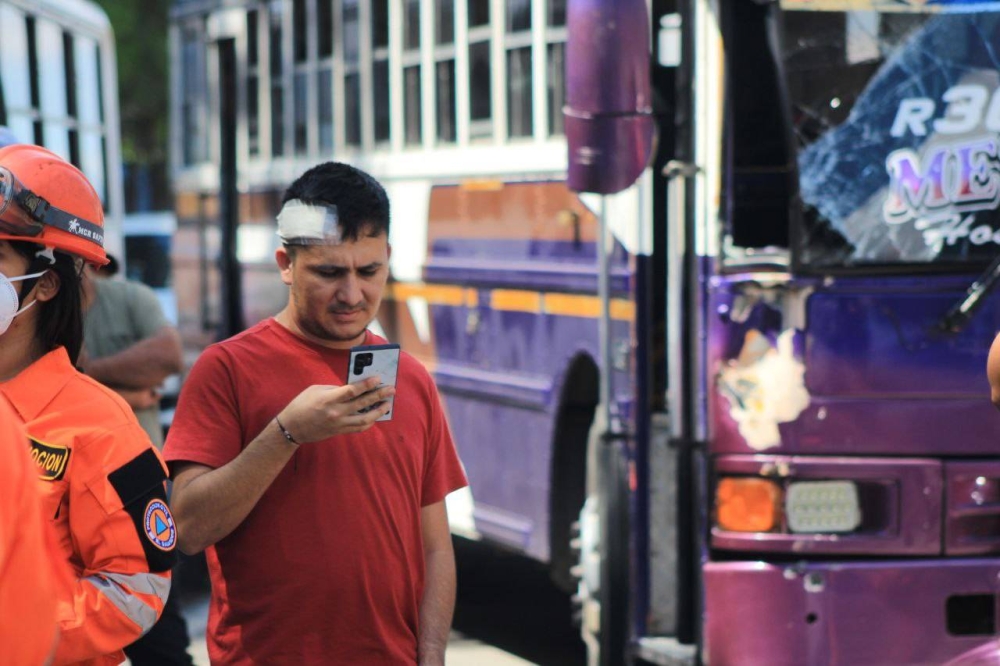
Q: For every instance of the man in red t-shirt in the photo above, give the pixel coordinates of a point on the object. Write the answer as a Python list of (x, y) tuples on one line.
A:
[(326, 532)]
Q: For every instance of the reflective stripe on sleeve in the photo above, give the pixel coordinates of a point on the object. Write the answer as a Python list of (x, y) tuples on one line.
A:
[(119, 588)]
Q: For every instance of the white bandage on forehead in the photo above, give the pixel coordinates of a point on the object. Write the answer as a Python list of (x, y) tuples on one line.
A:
[(300, 223)]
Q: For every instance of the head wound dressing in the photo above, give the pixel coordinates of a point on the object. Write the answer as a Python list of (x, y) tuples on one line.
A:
[(300, 223)]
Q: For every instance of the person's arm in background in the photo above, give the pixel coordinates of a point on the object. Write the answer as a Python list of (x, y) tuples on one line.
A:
[(438, 603), (143, 365), (156, 355), (993, 371), (140, 398)]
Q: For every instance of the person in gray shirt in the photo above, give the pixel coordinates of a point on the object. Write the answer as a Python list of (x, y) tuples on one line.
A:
[(129, 345)]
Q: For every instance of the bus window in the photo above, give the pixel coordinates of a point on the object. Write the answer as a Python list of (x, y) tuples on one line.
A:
[(253, 83), (555, 64), (444, 70), (380, 69), (761, 166), (277, 80), (352, 74), (519, 80), (412, 131), (480, 79), (69, 66), (300, 81), (19, 80), (193, 92), (324, 74), (90, 116), (52, 86)]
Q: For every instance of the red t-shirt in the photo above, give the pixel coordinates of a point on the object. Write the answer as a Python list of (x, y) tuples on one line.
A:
[(328, 567)]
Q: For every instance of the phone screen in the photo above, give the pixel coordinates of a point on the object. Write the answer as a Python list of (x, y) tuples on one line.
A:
[(370, 360)]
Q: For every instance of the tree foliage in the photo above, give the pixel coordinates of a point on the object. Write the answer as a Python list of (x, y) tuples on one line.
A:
[(143, 77)]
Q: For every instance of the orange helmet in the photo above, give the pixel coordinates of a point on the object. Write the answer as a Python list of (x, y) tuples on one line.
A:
[(46, 200)]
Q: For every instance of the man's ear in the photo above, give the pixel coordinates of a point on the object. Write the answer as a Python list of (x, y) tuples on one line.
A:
[(47, 286), (284, 260)]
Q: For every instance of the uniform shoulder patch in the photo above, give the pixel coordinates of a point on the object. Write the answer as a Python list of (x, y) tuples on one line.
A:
[(159, 525), (52, 460), (139, 484)]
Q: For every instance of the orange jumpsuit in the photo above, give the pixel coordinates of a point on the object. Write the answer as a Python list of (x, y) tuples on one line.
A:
[(103, 489), (27, 584)]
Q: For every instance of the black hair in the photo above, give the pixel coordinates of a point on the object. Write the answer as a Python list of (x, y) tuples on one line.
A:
[(362, 204), (109, 269), (60, 320)]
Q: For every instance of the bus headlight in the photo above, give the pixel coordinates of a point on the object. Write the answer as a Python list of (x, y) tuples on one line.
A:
[(825, 507)]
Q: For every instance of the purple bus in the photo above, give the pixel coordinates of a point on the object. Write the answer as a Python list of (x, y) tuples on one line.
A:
[(828, 490), (722, 368)]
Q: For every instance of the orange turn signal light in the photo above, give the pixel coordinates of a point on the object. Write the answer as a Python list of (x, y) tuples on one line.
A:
[(744, 504)]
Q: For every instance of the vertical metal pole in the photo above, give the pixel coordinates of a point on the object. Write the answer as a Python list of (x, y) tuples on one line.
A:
[(232, 290), (675, 306), (604, 246), (677, 398)]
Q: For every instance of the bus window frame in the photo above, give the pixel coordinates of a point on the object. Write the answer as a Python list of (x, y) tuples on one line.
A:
[(350, 74)]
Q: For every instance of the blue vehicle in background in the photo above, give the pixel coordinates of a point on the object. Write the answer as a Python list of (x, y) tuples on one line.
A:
[(148, 238)]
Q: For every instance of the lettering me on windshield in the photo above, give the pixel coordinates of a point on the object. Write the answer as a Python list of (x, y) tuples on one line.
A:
[(946, 177)]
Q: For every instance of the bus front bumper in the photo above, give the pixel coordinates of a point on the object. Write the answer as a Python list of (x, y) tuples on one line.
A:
[(853, 613)]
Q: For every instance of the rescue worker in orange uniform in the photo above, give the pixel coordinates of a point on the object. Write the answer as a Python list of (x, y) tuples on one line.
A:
[(27, 582), (102, 482)]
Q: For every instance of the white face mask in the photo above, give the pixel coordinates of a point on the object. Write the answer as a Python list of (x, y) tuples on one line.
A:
[(9, 300)]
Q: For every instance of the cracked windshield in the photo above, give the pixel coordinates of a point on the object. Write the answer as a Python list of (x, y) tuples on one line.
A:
[(896, 115)]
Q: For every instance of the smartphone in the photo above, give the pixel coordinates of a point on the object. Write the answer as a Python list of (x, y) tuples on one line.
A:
[(369, 360)]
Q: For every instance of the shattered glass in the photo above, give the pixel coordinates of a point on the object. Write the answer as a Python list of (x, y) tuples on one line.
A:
[(897, 119)]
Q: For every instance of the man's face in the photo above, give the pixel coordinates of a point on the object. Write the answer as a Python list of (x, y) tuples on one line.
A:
[(336, 289)]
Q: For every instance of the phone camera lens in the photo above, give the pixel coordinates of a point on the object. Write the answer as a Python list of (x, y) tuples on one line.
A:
[(362, 361)]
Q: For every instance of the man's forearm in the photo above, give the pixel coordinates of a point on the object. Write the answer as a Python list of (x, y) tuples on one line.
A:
[(437, 607), (212, 505), (143, 365)]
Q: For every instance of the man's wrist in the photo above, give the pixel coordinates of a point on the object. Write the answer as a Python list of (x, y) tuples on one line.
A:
[(285, 434)]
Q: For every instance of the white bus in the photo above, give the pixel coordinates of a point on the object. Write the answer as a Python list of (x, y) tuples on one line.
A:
[(59, 89), (420, 93), (456, 107)]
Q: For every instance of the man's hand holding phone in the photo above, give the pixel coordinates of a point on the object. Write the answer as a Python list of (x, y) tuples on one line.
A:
[(320, 411)]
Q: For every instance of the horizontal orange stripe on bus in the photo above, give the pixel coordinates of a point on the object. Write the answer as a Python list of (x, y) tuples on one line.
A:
[(513, 300)]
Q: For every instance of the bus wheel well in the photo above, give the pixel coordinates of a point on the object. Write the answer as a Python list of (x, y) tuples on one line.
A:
[(577, 405)]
